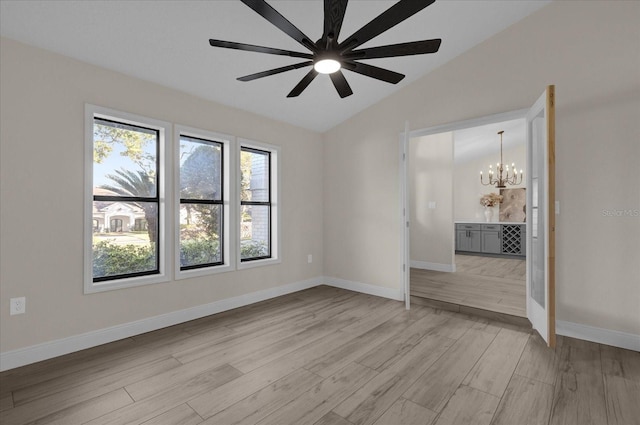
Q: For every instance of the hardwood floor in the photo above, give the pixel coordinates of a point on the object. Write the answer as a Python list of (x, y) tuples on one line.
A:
[(483, 283), (327, 356)]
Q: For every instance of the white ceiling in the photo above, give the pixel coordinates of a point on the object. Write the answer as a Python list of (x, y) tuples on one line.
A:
[(479, 142), (166, 42)]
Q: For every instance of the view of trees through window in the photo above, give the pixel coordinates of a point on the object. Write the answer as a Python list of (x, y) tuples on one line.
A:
[(255, 204), (126, 204), (125, 200), (201, 203)]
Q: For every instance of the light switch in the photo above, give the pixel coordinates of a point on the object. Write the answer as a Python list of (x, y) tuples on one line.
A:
[(432, 205), (557, 207)]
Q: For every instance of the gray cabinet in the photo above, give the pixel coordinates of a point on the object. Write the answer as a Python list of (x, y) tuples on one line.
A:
[(491, 241), (496, 239), (468, 238)]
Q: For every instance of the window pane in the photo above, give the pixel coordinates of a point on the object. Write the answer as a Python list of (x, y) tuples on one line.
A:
[(200, 169), (118, 248), (124, 160), (254, 166), (200, 234), (254, 231)]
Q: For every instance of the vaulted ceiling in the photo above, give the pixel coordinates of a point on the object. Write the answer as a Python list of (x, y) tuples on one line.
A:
[(166, 42)]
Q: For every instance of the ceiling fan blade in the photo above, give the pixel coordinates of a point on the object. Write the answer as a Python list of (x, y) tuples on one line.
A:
[(275, 71), (389, 18), (259, 49), (306, 80), (341, 84), (333, 16), (393, 50), (273, 16), (374, 72)]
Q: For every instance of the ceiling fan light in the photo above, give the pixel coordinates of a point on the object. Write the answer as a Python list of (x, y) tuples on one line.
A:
[(327, 66)]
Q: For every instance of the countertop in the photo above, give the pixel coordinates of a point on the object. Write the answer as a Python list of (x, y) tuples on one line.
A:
[(486, 222)]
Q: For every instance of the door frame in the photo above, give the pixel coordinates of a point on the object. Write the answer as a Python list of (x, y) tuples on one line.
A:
[(404, 140)]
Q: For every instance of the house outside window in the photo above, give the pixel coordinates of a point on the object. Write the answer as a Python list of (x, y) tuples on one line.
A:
[(125, 188)]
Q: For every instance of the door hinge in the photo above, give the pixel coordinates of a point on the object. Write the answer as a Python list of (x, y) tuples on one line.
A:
[(404, 267)]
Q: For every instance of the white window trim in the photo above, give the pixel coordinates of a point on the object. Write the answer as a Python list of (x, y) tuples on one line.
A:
[(165, 241), (229, 207), (275, 204)]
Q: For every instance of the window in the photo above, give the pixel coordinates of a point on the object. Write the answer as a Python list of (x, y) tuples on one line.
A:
[(202, 215), (223, 194), (258, 204), (125, 179), (140, 225)]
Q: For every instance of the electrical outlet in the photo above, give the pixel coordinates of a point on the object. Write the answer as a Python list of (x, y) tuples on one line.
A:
[(17, 305), (309, 258)]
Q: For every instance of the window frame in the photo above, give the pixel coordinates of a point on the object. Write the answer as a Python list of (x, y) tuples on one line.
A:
[(228, 209), (274, 197), (164, 137)]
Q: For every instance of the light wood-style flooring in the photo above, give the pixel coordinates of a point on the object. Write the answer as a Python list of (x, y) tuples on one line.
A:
[(482, 283), (327, 356)]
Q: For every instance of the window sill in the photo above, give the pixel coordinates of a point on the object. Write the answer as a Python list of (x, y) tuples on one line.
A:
[(205, 271), (258, 263), (95, 287)]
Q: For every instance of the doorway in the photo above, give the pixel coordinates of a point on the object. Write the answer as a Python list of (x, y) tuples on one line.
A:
[(466, 256), (541, 207)]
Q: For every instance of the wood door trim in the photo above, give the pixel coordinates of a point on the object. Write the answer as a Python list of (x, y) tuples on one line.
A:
[(551, 259)]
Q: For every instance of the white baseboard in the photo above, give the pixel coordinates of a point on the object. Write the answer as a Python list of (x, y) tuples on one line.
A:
[(599, 335), (48, 350), (365, 288), (439, 267)]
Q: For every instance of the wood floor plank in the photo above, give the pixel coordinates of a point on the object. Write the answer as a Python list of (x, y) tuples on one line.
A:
[(405, 412), (331, 362), (85, 411), (525, 402), (397, 346), (538, 361), (53, 368), (264, 402), (332, 419), (61, 399), (180, 415), (215, 401), (383, 314), (622, 400), (434, 388), (469, 406), (370, 401), (263, 355), (620, 362), (6, 402), (579, 392), (494, 369), (149, 408), (492, 284), (313, 404)]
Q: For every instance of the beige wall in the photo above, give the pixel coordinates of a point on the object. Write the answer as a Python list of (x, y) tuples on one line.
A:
[(589, 50), (41, 114), (467, 189), (430, 180)]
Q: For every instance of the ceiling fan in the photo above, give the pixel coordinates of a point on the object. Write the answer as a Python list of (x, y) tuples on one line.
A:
[(328, 56)]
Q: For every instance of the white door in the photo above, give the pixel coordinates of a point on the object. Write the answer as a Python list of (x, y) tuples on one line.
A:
[(541, 216)]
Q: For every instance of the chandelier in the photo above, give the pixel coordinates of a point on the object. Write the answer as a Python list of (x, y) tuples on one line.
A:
[(504, 176)]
